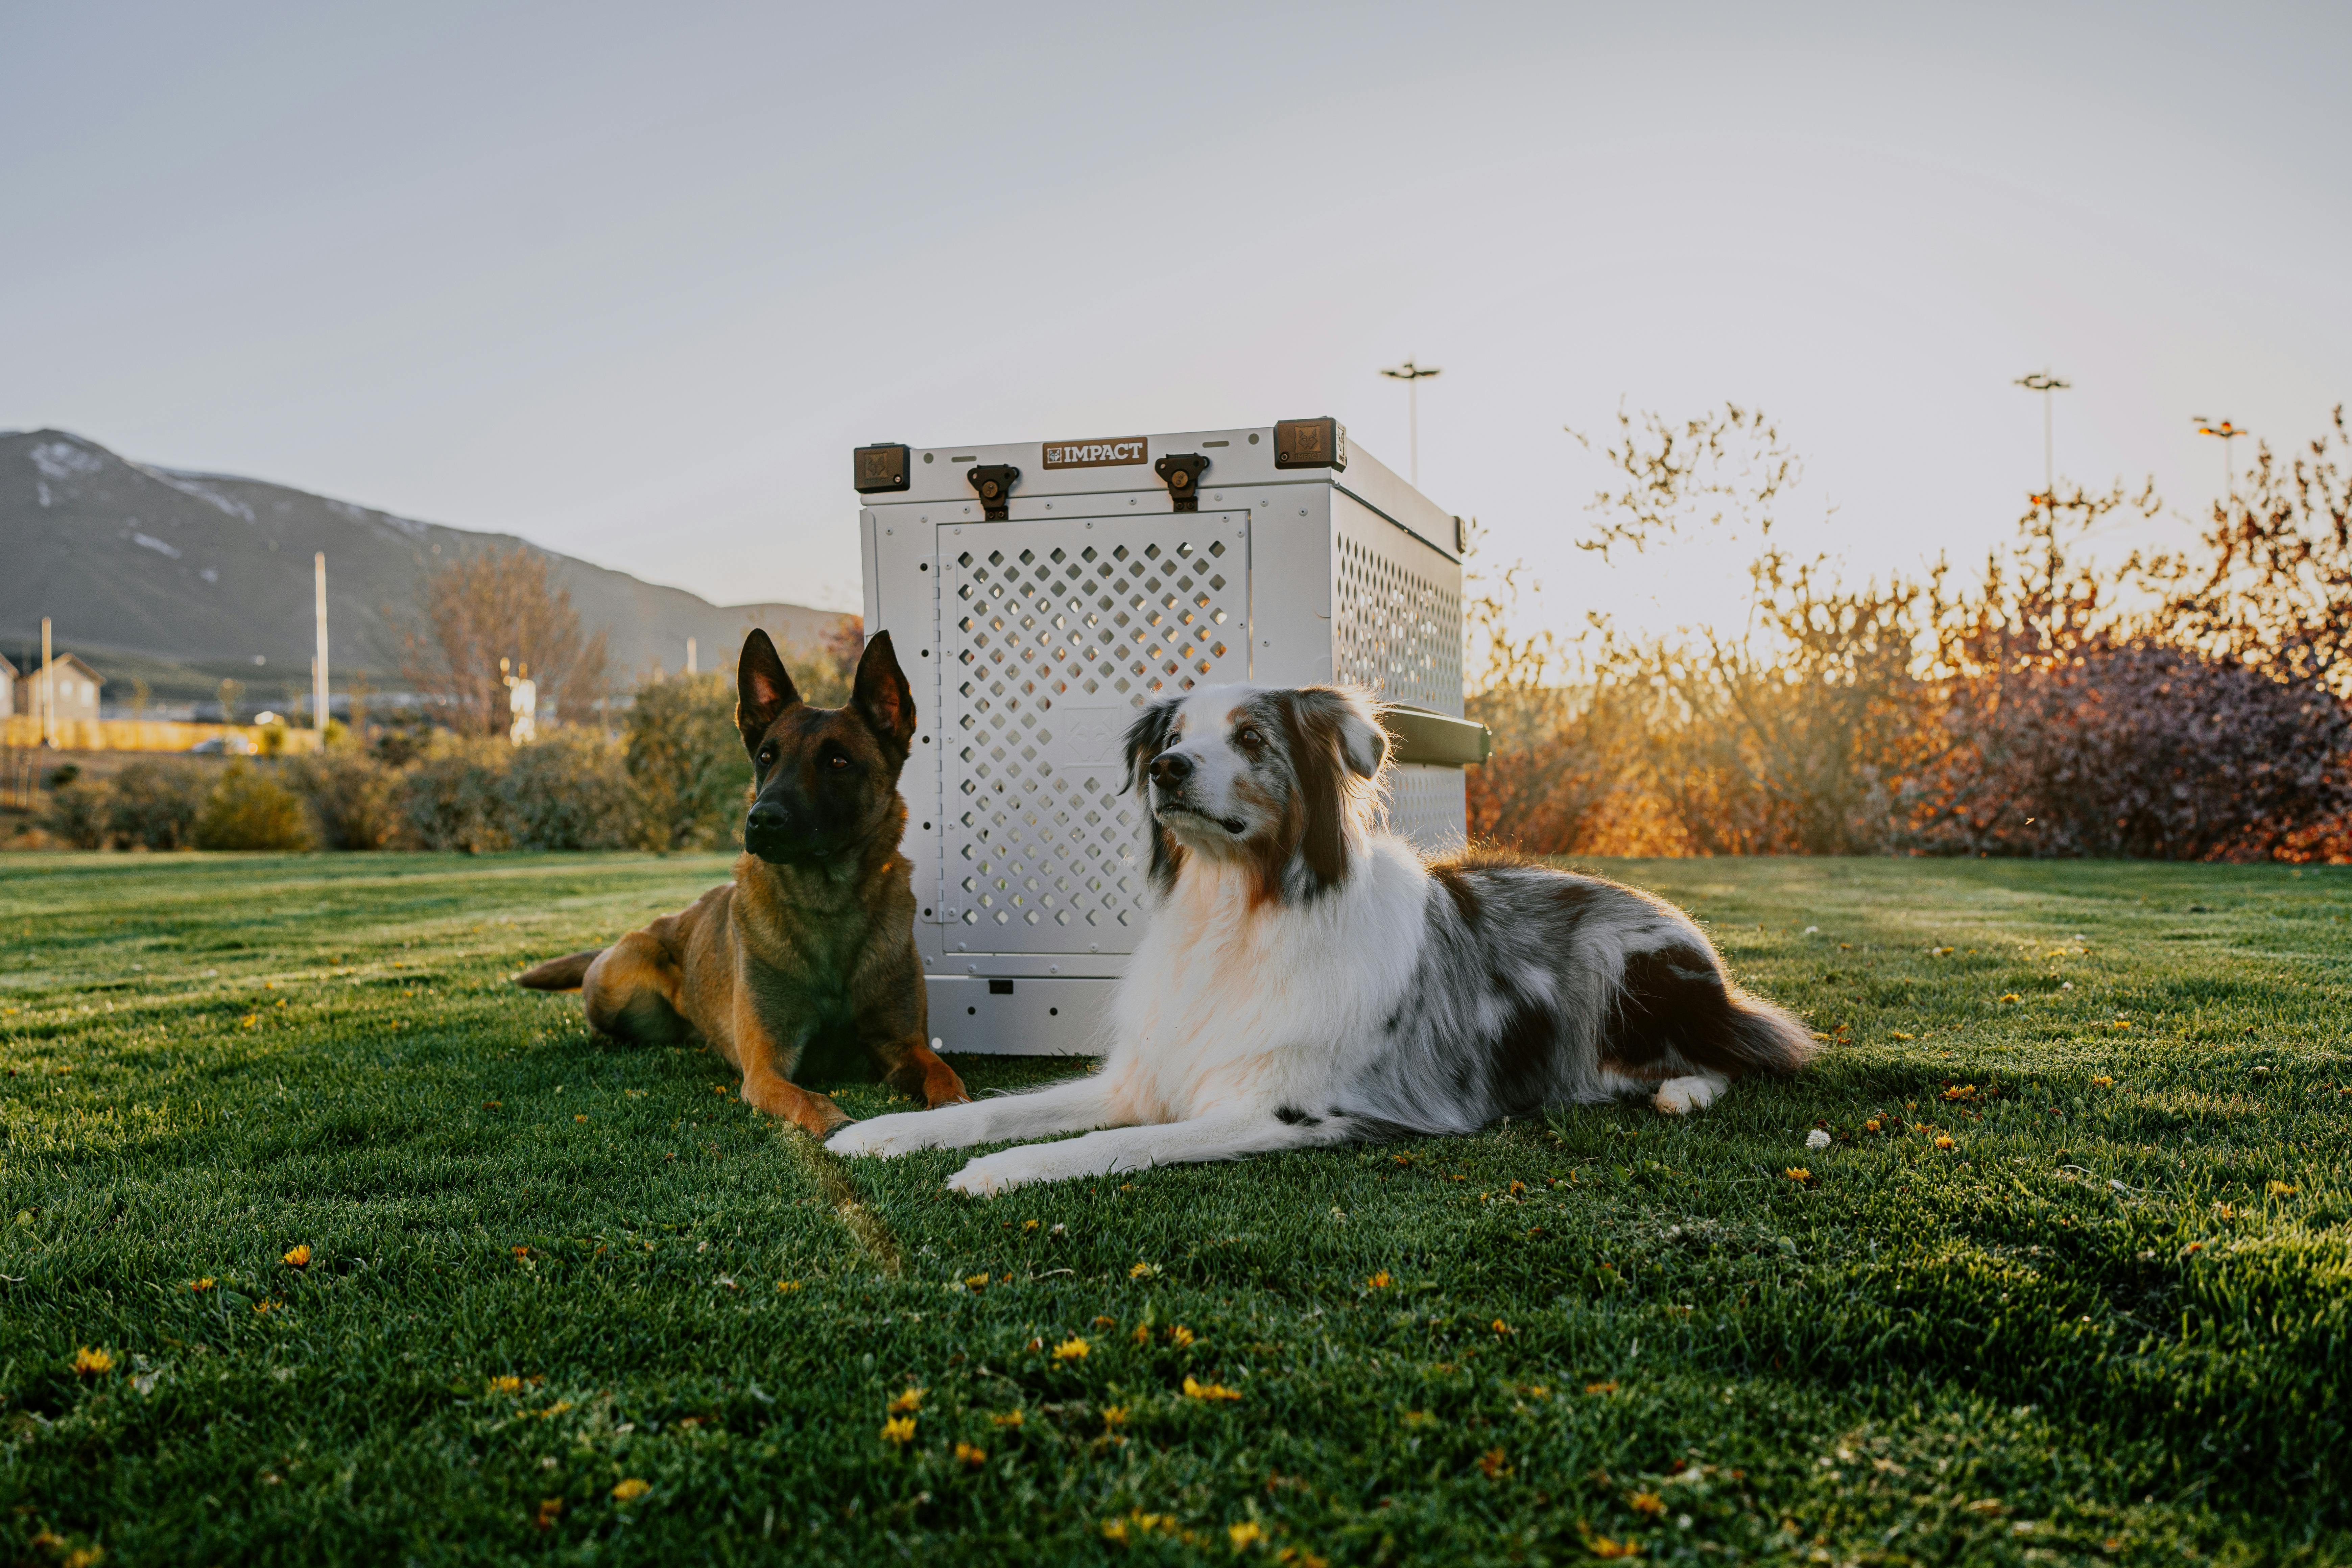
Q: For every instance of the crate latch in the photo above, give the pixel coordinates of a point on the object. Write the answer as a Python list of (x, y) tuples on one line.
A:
[(1182, 471), (994, 482)]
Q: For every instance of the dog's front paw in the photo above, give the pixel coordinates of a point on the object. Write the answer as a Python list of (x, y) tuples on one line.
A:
[(1681, 1096), (882, 1136), (994, 1174)]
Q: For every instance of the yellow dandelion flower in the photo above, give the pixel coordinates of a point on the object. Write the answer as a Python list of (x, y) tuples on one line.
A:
[(1106, 1322), (1379, 1281), (200, 1286), (1009, 1418), (976, 1281), (1142, 1335), (1491, 1464), (898, 1430), (1601, 1388), (1115, 1416), (1798, 1173), (788, 1285), (506, 1385), (2012, 996), (2103, 1081), (298, 1257), (88, 1362), (1036, 1344), (1245, 1534), (908, 1402), (631, 1489), (2123, 1023), (967, 1455), (1899, 1035), (1181, 1337), (2280, 1189), (1517, 1187), (1943, 1141), (1194, 1390), (265, 1306), (554, 1410), (1141, 1272), (1027, 1226), (580, 1117), (1602, 1546), (719, 1088), (1872, 1125), (83, 1557), (1071, 1348), (1650, 1503), (1502, 1327), (1114, 1529)]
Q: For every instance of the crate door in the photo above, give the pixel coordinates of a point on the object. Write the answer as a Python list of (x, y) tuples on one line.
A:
[(1055, 633)]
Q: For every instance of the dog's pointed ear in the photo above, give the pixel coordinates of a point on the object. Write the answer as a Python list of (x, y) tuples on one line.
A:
[(763, 688), (1147, 737), (882, 697)]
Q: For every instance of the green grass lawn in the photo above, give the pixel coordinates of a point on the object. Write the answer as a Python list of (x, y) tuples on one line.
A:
[(2070, 1284)]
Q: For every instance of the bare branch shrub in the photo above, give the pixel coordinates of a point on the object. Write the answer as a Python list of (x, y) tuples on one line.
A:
[(492, 604)]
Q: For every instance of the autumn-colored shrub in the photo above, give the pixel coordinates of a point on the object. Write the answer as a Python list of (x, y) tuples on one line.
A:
[(250, 809), (571, 791), (350, 795), (687, 761), (454, 796), (154, 804)]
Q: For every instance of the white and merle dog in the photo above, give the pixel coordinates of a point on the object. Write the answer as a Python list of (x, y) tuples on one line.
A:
[(1303, 980)]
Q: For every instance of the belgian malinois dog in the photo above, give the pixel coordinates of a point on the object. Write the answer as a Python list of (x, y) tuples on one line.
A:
[(816, 936)]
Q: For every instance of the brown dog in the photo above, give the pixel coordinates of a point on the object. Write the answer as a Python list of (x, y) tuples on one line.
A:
[(816, 932)]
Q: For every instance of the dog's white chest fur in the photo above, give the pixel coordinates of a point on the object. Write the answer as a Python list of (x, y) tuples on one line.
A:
[(1229, 1005)]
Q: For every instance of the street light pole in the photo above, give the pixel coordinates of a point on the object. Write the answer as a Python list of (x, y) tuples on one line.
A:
[(319, 664), (2043, 382), (2229, 434), (1413, 375)]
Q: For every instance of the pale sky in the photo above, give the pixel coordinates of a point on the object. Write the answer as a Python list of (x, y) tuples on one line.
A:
[(632, 280)]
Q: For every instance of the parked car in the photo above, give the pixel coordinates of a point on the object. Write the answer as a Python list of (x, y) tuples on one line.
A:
[(230, 746)]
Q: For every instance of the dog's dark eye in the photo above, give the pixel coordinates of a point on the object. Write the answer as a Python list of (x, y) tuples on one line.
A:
[(1247, 735), (767, 756), (836, 762)]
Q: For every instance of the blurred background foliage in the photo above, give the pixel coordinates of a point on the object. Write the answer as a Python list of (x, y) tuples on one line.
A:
[(667, 771), (2190, 705)]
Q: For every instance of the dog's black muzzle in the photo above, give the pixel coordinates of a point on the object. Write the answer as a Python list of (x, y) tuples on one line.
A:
[(781, 838)]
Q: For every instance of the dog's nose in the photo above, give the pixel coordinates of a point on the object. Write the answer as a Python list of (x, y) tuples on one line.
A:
[(765, 818), (1169, 770)]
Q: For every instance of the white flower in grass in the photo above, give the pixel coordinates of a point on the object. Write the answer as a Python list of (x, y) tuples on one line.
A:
[(1817, 1139)]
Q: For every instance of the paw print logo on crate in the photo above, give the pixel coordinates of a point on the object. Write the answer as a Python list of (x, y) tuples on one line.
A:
[(1055, 635)]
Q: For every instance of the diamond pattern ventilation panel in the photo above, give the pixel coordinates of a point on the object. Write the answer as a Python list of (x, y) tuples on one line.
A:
[(1395, 631), (1055, 633)]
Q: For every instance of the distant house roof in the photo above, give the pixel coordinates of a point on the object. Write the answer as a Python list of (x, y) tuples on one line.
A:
[(75, 660)]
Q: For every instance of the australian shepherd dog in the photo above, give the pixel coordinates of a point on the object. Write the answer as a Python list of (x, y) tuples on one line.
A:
[(1302, 979)]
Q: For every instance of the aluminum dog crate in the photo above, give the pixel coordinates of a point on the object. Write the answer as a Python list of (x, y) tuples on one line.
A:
[(1038, 593)]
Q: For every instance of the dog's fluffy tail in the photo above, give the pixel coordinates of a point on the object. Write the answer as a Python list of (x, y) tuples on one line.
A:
[(1761, 1037), (563, 974)]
